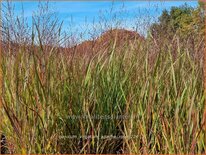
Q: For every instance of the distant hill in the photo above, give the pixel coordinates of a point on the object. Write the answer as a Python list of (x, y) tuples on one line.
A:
[(122, 38)]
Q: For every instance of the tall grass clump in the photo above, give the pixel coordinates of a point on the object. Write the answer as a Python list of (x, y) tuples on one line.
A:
[(134, 98)]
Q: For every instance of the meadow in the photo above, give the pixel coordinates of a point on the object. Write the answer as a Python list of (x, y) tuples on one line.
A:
[(138, 96)]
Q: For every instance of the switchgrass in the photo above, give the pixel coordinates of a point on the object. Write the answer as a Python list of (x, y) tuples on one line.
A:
[(131, 99)]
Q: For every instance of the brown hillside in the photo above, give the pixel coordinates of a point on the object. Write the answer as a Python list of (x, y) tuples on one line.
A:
[(107, 39)]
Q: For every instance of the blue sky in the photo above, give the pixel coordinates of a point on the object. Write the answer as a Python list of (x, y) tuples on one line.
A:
[(84, 15)]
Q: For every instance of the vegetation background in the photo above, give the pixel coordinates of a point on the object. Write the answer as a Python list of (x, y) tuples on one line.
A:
[(148, 90)]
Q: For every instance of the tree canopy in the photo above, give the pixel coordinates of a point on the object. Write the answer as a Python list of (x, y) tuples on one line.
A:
[(184, 21)]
